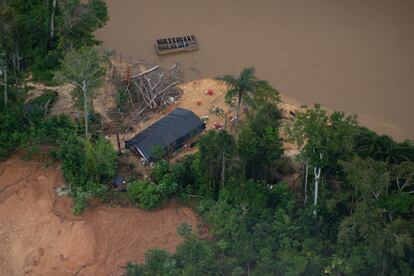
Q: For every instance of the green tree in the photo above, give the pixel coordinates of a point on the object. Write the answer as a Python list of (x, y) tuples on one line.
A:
[(36, 34), (86, 166), (157, 262), (259, 143), (100, 160), (12, 130), (323, 140), (382, 147), (240, 87), (210, 165), (7, 41), (145, 195), (196, 257), (369, 178), (78, 20), (265, 94), (403, 175), (3, 71), (374, 238), (84, 69)]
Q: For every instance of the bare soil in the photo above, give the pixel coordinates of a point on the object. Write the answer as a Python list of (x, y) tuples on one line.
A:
[(195, 98), (40, 236)]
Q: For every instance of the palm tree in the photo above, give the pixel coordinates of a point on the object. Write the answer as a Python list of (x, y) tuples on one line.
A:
[(241, 87)]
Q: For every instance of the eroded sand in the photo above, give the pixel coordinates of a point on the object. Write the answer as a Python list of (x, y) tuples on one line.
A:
[(39, 235)]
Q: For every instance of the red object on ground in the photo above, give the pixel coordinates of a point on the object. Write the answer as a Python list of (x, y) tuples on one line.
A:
[(218, 125), (210, 91), (198, 102)]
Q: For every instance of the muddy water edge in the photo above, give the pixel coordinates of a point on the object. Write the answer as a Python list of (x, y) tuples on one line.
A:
[(354, 56)]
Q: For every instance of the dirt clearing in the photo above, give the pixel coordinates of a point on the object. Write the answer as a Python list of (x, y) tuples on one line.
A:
[(40, 236)]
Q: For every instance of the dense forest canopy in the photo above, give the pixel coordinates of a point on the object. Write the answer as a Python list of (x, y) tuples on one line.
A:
[(343, 206), (360, 224), (37, 34)]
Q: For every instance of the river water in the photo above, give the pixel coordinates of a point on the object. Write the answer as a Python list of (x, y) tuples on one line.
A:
[(349, 55)]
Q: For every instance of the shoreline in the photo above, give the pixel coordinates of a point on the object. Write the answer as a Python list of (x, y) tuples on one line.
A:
[(354, 57)]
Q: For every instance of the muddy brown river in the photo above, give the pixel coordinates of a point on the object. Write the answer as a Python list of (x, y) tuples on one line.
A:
[(355, 56)]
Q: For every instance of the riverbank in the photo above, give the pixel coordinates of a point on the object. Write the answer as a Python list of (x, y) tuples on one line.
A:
[(352, 56)]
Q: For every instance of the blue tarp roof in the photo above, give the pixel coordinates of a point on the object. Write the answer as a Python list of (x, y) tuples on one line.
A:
[(118, 180)]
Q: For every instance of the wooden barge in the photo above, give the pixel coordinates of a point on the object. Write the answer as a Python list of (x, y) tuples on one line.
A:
[(176, 44)]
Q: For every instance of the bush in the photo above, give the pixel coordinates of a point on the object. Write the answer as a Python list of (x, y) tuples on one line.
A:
[(167, 186), (144, 194), (149, 195), (161, 169), (185, 174), (184, 230), (134, 190), (250, 194), (31, 151), (100, 160), (12, 130), (38, 104), (51, 130), (134, 269), (285, 166), (79, 203), (86, 165), (157, 262), (121, 100), (82, 194)]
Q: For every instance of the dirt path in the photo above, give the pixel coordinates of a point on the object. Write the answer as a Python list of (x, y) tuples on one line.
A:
[(39, 235)]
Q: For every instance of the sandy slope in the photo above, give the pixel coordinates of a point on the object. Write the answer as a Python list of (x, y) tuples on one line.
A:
[(39, 235)]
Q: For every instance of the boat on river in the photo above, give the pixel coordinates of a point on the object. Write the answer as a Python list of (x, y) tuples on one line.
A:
[(176, 44)]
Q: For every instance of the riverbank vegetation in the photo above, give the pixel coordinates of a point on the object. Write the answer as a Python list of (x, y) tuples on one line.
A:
[(343, 206)]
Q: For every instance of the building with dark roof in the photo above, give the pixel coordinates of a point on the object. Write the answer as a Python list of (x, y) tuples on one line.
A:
[(169, 133)]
